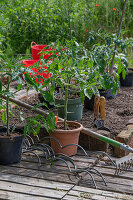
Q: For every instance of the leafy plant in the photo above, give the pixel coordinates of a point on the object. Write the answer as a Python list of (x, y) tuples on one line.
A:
[(101, 50), (44, 21), (33, 124), (10, 70), (71, 70)]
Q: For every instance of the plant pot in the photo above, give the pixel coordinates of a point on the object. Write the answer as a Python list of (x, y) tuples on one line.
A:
[(66, 137), (128, 81), (108, 94), (36, 49), (75, 108), (89, 103), (10, 148)]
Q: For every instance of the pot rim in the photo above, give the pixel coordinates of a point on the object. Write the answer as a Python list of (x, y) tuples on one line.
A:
[(70, 101), (79, 128)]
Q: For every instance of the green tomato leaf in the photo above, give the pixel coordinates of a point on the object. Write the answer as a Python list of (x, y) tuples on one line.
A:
[(19, 87), (51, 121), (45, 124), (94, 89), (4, 117), (27, 130), (37, 129), (12, 113), (30, 81), (48, 97), (88, 93)]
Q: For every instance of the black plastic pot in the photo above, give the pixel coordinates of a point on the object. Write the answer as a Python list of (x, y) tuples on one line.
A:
[(10, 148), (108, 94), (89, 103), (128, 81)]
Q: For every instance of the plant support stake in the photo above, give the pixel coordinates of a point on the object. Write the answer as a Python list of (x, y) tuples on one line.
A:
[(122, 16), (70, 24)]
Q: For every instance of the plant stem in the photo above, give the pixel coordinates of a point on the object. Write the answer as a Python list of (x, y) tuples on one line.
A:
[(65, 107), (122, 16), (7, 108)]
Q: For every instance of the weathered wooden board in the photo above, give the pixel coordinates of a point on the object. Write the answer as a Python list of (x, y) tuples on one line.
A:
[(32, 190), (4, 195), (36, 174), (34, 182), (89, 193)]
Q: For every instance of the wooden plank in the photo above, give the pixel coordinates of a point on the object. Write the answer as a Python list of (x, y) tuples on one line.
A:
[(110, 172), (61, 169), (110, 187), (96, 194), (6, 195), (32, 190), (35, 182), (83, 196), (89, 196), (118, 181), (107, 170), (36, 174), (126, 187)]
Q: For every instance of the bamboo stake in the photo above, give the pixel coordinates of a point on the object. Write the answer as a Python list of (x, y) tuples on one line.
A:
[(70, 24), (119, 30)]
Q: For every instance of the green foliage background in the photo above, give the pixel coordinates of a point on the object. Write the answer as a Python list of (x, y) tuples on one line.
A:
[(45, 21)]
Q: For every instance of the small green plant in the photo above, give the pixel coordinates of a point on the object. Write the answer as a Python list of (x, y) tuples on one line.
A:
[(10, 70), (33, 124)]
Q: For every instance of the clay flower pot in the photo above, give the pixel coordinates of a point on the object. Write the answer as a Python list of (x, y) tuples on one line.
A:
[(66, 137)]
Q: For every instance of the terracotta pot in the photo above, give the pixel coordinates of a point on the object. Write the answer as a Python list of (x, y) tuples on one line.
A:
[(66, 137)]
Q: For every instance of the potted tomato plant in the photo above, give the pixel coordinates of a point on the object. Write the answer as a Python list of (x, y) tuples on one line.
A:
[(101, 48), (11, 138), (71, 71)]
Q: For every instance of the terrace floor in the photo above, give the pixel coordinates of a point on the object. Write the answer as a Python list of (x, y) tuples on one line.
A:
[(30, 181)]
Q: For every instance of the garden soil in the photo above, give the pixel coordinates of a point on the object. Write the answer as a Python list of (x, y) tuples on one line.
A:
[(118, 111)]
